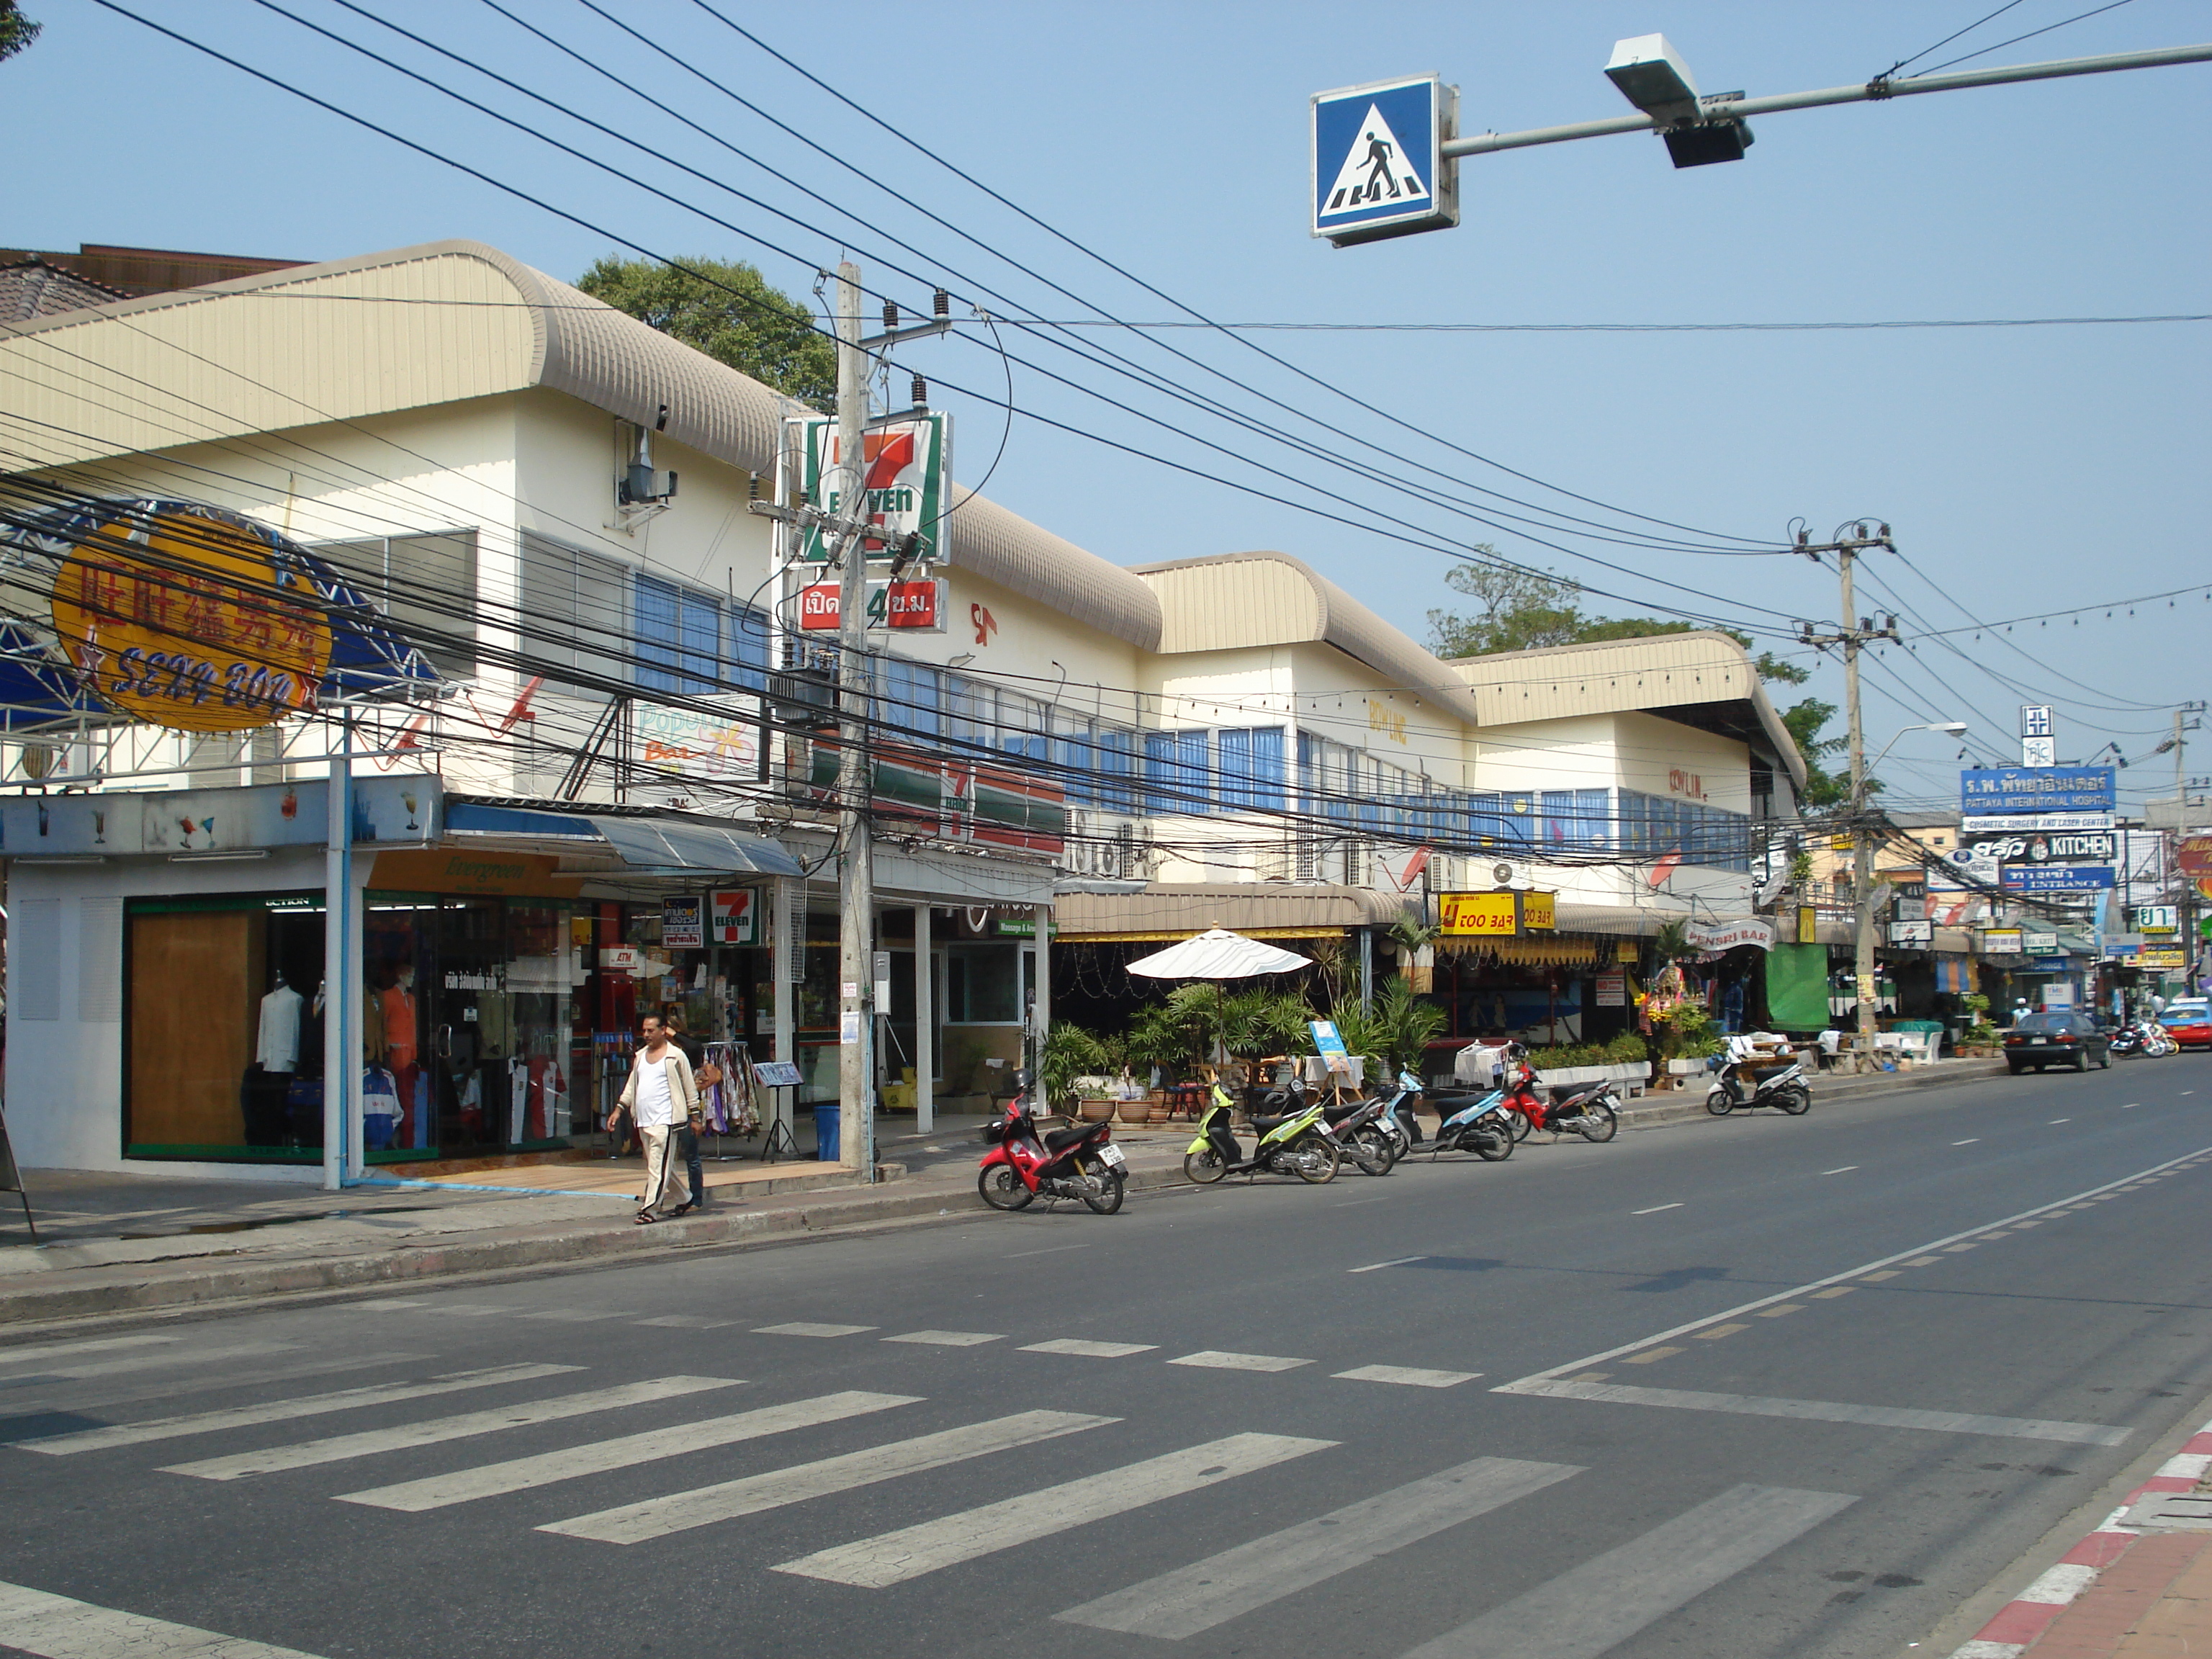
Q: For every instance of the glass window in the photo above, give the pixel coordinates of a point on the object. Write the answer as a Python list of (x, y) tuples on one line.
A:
[(1175, 770), (912, 697), (749, 647), (982, 984), (1116, 754), (426, 584), (1251, 761), (678, 637)]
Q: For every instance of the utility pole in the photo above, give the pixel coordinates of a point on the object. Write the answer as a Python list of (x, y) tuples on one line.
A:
[(856, 871), (1854, 635)]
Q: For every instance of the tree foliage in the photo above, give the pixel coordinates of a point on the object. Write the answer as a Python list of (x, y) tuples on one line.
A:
[(728, 311), (16, 31), (1526, 610)]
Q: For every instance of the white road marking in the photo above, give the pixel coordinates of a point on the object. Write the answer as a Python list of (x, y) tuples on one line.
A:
[(281, 1410), (1656, 1208), (2062, 1120), (1223, 1587), (801, 1327), (45, 1350), (162, 1361), (430, 1432), (1050, 1249), (1596, 1607), (657, 1517), (1347, 1203), (579, 1316), (626, 1451), (687, 1322), (1213, 1359), (2094, 1194), (1846, 1169), (1826, 1411), (1088, 1349), (2129, 1107), (1395, 1261), (57, 1627), (949, 1338), (895, 1557), (1969, 1141), (80, 1402), (2186, 1466), (1413, 1377)]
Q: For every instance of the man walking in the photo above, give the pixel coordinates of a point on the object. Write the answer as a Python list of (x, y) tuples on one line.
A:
[(661, 1099), (671, 1020)]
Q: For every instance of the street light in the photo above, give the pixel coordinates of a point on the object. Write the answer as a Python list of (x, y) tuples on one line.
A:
[(1652, 75), (1862, 885)]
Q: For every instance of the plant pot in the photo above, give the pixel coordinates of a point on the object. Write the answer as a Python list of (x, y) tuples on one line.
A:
[(1094, 1111), (1136, 1111)]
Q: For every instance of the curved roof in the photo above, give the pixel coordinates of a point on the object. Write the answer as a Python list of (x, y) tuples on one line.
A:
[(1233, 600), (445, 321)]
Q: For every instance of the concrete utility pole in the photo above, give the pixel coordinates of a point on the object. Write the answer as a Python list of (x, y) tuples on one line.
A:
[(856, 883), (1855, 632)]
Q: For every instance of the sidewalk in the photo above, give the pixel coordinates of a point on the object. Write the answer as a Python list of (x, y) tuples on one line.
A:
[(2138, 1587), (114, 1244)]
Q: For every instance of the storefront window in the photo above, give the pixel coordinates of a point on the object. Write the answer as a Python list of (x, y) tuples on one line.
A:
[(983, 984)]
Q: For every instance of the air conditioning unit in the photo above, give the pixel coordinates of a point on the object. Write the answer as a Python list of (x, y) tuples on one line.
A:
[(1507, 873)]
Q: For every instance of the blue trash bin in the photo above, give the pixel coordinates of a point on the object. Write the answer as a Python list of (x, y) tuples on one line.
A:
[(829, 1140)]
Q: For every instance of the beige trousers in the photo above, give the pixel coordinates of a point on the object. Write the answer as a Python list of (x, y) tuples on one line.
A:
[(666, 1185)]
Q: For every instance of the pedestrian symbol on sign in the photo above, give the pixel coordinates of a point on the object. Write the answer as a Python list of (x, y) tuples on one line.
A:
[(1379, 163)]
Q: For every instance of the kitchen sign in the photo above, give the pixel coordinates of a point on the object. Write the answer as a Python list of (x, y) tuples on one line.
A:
[(2092, 846)]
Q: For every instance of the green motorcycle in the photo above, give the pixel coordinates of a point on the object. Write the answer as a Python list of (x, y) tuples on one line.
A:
[(1292, 1143)]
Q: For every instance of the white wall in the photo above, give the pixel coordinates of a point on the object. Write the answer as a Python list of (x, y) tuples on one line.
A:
[(64, 1082)]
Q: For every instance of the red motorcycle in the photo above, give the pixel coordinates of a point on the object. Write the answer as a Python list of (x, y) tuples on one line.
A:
[(1077, 1162), (1592, 1113)]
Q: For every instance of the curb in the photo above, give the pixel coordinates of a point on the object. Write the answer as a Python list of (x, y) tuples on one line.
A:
[(202, 1285), (1636, 1117), (2022, 1621)]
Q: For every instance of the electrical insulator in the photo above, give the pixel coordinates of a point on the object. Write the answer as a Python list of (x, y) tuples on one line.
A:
[(920, 392), (755, 490), (890, 316), (1890, 623), (941, 308)]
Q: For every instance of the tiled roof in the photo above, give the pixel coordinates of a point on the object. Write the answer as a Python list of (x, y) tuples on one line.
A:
[(32, 287)]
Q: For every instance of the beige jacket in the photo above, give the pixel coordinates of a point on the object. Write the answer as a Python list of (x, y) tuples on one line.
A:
[(683, 1091)]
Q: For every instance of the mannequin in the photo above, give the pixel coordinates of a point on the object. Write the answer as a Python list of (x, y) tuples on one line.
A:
[(277, 1049)]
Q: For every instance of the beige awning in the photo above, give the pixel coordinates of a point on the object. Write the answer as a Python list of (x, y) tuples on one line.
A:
[(1175, 910)]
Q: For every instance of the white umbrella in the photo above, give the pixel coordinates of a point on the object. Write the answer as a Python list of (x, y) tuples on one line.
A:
[(1218, 953)]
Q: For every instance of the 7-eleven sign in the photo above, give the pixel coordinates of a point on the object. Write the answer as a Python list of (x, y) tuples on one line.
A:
[(906, 480)]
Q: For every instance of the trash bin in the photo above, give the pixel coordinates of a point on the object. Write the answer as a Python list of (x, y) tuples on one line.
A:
[(827, 1139)]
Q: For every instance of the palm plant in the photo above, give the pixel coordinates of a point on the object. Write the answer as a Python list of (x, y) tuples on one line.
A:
[(1407, 1024), (1067, 1052), (1155, 1039)]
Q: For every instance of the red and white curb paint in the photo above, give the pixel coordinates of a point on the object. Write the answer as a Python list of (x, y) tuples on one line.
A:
[(2027, 1615)]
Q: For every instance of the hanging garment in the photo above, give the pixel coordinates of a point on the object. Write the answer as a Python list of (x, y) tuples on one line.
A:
[(398, 1026), (372, 1028), (379, 1108), (494, 1025), (553, 1098), (473, 1126), (518, 1100), (278, 1049)]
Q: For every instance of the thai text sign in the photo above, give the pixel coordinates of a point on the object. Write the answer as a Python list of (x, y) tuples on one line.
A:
[(906, 480), (2091, 847), (910, 607), (188, 621), (2036, 789), (2057, 878)]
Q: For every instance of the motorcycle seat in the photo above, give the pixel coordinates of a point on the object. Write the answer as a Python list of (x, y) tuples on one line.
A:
[(1335, 1115), (1059, 1140), (1266, 1126), (1450, 1105)]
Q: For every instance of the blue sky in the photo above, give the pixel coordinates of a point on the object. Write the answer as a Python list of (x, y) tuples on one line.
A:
[(2024, 470)]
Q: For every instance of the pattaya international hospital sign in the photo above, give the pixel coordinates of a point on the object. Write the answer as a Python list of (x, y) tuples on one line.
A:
[(2036, 789)]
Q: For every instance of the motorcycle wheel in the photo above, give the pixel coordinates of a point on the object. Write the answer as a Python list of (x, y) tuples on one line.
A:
[(1493, 1148), (1002, 1188), (1205, 1168), (1316, 1160), (1377, 1152), (1108, 1199), (1519, 1123), (1599, 1121), (1718, 1104), (1795, 1101)]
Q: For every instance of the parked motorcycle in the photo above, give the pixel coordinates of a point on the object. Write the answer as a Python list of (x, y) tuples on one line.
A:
[(1293, 1142), (1593, 1113), (1480, 1124), (2144, 1039), (1357, 1126), (1077, 1162), (1785, 1088)]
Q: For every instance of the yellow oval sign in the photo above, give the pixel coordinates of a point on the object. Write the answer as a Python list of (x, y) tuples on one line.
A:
[(188, 621)]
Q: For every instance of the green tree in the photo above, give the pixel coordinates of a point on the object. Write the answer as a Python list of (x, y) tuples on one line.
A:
[(16, 31), (728, 311)]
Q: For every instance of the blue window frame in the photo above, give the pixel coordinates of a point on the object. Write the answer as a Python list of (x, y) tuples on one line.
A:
[(679, 638), (749, 647), (1175, 770), (1251, 762)]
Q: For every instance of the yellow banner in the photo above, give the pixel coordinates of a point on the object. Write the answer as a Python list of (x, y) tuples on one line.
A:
[(1462, 916), (1538, 911)]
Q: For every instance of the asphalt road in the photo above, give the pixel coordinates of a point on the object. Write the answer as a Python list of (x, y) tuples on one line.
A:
[(1753, 1387)]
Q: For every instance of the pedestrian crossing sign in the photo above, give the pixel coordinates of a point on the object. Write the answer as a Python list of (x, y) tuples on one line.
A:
[(1379, 168)]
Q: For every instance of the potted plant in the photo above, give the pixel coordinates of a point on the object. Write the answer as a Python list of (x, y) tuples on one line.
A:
[(1068, 1052)]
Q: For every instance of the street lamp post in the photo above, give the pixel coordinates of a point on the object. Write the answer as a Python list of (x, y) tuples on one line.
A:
[(1863, 884)]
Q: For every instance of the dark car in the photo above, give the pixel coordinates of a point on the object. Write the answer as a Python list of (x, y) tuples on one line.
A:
[(2188, 1021), (2042, 1040)]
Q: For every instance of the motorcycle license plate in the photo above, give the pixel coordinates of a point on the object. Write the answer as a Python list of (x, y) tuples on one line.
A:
[(1110, 1156)]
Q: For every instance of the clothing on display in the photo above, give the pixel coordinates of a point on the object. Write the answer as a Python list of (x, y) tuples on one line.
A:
[(278, 1047)]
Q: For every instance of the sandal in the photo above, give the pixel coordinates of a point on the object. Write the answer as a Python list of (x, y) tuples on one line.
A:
[(645, 1218)]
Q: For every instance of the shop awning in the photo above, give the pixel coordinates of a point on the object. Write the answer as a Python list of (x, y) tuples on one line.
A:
[(675, 844), (1175, 910), (648, 843)]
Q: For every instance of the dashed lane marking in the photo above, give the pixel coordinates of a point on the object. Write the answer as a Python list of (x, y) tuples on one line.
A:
[(1084, 1349), (802, 1327), (1971, 1140), (1834, 1291), (1656, 1208), (2060, 1120), (1785, 1308), (1214, 1359), (948, 1338), (687, 1322), (1378, 1267), (1715, 1333), (1649, 1355), (1846, 1169), (1412, 1376), (1876, 1279)]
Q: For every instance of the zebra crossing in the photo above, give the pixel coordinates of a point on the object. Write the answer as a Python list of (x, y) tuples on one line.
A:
[(1577, 1615)]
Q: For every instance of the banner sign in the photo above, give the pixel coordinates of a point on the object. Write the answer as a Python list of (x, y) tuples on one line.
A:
[(2017, 823), (907, 479), (2161, 956), (2002, 941), (2038, 789), (909, 607), (1921, 934), (1726, 936), (1501, 915), (2158, 919), (2091, 847), (683, 922), (676, 745), (1612, 991), (2193, 853), (2057, 878)]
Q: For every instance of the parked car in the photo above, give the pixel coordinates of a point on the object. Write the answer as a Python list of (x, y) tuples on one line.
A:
[(2047, 1040), (2188, 1021)]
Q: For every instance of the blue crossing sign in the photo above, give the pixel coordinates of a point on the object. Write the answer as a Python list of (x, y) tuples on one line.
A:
[(1379, 163)]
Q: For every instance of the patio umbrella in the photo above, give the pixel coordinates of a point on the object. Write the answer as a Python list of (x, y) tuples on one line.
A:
[(1218, 953)]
